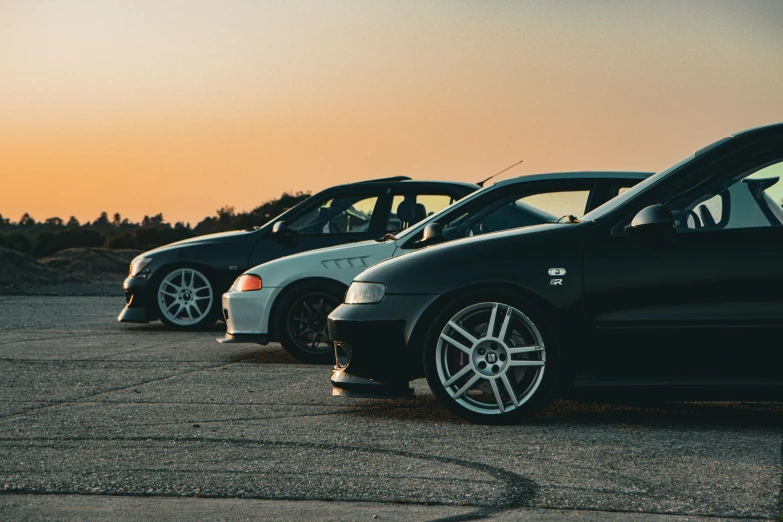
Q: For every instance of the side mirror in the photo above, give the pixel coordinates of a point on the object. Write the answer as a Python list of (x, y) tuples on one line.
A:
[(433, 233), (280, 227), (652, 220)]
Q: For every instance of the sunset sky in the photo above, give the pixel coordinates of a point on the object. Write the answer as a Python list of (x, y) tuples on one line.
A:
[(182, 107)]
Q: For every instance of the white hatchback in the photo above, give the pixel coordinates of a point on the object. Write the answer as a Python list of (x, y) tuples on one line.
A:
[(288, 299)]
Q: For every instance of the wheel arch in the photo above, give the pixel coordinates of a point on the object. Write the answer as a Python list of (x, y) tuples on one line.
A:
[(418, 335), (290, 287)]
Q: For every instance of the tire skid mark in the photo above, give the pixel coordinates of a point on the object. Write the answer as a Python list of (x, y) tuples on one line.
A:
[(72, 400), (518, 491)]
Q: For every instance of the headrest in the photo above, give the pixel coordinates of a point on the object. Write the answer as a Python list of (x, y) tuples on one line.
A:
[(406, 211)]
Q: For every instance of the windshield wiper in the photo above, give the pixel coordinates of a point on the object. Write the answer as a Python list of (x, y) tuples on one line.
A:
[(387, 237), (569, 219)]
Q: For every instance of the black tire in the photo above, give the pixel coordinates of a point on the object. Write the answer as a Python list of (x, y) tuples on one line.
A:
[(301, 320), (477, 405), (197, 312)]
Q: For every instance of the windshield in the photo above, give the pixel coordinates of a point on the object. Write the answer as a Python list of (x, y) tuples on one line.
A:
[(496, 208), (434, 218), (616, 202)]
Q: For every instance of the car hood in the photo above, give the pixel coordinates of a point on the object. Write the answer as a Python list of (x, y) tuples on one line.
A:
[(341, 263), (496, 257), (220, 237)]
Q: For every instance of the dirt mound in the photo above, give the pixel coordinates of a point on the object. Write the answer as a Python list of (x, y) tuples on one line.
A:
[(76, 271), (91, 264), (19, 270)]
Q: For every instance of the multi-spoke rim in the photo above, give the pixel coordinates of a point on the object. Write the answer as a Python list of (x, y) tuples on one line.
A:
[(185, 296), (490, 358), (308, 322)]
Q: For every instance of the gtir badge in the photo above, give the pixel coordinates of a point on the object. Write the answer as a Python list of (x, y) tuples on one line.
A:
[(557, 273)]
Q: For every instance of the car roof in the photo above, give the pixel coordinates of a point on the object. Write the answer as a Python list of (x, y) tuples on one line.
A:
[(406, 181), (772, 126), (586, 174)]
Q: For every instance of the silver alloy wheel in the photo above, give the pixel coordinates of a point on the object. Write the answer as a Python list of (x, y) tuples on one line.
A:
[(490, 358), (185, 297)]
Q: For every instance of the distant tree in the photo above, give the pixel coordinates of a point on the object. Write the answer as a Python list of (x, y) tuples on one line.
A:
[(52, 235), (226, 213), (157, 219)]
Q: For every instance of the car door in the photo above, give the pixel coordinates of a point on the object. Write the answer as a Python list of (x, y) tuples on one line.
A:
[(347, 216), (704, 302)]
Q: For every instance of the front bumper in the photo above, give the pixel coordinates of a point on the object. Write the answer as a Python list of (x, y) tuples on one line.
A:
[(247, 315), (136, 308), (243, 338), (346, 385), (379, 341)]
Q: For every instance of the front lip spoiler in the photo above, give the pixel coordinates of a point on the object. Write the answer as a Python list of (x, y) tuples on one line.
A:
[(244, 338), (133, 315), (346, 385)]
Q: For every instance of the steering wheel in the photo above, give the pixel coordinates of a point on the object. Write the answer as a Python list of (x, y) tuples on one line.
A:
[(690, 213)]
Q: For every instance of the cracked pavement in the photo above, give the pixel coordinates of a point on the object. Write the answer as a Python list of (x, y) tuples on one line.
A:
[(104, 420)]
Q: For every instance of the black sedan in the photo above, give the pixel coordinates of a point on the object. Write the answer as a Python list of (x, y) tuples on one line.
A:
[(181, 283), (673, 289)]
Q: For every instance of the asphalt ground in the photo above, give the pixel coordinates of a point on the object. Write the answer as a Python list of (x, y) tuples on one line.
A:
[(100, 420)]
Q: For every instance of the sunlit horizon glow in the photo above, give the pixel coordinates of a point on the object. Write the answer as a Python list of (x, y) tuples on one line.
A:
[(182, 107)]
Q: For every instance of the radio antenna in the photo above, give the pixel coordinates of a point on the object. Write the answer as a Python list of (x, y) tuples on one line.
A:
[(481, 183)]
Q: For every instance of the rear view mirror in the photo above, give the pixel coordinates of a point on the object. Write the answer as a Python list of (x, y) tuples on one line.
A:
[(433, 233), (652, 220), (280, 227)]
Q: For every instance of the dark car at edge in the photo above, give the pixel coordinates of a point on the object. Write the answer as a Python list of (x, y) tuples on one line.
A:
[(181, 283), (672, 290)]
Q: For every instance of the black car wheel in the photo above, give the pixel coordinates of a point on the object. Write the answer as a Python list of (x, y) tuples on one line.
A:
[(302, 321), (185, 298), (490, 359)]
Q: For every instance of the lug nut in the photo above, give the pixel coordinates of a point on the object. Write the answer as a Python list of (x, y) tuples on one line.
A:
[(482, 351), (502, 356), (495, 369), (482, 365)]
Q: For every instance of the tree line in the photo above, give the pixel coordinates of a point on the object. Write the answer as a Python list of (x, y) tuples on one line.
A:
[(43, 238)]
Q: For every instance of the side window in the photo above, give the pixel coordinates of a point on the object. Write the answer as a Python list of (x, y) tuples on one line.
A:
[(750, 200), (409, 209), (506, 210), (572, 202), (343, 215)]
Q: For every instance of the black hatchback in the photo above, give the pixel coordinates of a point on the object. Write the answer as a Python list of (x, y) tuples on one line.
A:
[(181, 283), (673, 289)]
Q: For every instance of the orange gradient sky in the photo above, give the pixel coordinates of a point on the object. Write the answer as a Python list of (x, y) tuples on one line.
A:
[(182, 107)]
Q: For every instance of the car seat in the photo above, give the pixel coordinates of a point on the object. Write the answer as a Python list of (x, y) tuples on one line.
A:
[(409, 212)]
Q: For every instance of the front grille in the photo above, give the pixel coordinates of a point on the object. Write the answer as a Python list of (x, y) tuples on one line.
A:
[(342, 354)]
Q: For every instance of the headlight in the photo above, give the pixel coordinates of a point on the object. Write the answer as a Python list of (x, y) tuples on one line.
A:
[(365, 293), (248, 283), (138, 264)]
